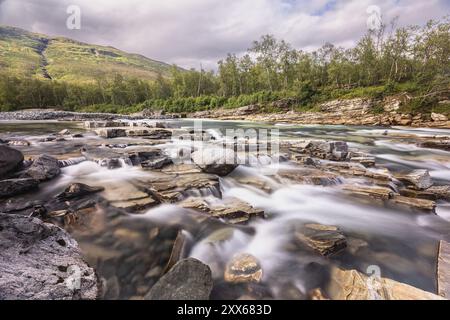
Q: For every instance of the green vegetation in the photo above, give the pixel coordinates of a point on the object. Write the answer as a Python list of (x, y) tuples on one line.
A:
[(415, 60)]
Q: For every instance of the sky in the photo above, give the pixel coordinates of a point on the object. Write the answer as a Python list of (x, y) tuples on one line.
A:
[(193, 32)]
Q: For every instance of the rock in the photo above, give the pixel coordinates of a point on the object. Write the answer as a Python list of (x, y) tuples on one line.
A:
[(178, 250), (124, 195), (440, 192), (326, 240), (243, 267), (189, 279), (215, 160), (417, 179), (76, 190), (235, 211), (41, 261), (21, 143), (353, 285), (10, 159), (369, 191), (418, 204), (443, 269), (12, 187), (109, 133), (435, 144), (317, 294), (308, 176), (43, 168), (106, 157), (156, 163), (438, 117), (64, 132), (330, 150)]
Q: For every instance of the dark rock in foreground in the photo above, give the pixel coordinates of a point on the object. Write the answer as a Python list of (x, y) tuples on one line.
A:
[(13, 187), (189, 279), (43, 168), (76, 190), (10, 159), (41, 261)]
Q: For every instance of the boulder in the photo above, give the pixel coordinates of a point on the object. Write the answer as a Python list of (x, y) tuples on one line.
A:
[(189, 279), (10, 159), (215, 160), (76, 190), (41, 261), (12, 187), (443, 269), (156, 163), (438, 117), (417, 179), (353, 285), (64, 132), (369, 191), (326, 240), (243, 267), (43, 168)]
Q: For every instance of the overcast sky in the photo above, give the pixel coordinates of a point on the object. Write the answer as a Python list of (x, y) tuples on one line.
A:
[(190, 32)]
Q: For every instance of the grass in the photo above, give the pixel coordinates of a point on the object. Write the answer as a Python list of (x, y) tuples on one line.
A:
[(70, 61)]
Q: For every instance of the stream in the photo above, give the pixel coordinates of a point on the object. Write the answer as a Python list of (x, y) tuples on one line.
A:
[(124, 248)]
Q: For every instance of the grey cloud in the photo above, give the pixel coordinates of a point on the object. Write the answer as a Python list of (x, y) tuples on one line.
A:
[(202, 31)]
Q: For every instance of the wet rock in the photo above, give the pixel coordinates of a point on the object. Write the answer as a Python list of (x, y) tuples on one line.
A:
[(43, 168), (369, 191), (106, 157), (178, 250), (41, 261), (235, 211), (12, 187), (326, 240), (189, 279), (76, 190), (127, 196), (435, 144), (77, 135), (443, 269), (366, 160), (440, 192), (109, 133), (10, 160), (412, 203), (418, 179), (308, 176), (19, 143), (64, 132), (330, 150), (156, 163), (353, 285), (243, 267), (215, 160), (317, 294)]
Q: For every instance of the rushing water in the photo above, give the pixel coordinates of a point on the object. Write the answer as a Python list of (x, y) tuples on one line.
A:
[(403, 244)]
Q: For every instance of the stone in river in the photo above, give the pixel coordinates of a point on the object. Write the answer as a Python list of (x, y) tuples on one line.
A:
[(189, 279), (76, 190), (243, 267), (10, 159), (436, 144), (413, 203), (417, 179), (443, 270), (43, 168), (156, 163), (369, 191), (124, 195), (326, 240), (64, 132), (218, 161), (354, 285), (178, 250), (12, 187), (109, 133), (40, 261)]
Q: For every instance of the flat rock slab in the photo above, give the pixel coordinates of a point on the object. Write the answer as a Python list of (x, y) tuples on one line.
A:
[(41, 261), (443, 269), (354, 285), (326, 240)]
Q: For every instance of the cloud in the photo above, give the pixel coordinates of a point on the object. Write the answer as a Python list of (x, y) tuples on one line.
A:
[(202, 31)]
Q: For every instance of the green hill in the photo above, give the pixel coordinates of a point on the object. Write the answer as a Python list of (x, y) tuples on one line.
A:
[(26, 54)]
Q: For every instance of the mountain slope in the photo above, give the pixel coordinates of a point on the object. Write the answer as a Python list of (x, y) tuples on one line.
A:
[(26, 54)]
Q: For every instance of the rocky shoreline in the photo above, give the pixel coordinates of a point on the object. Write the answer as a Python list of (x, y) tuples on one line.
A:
[(136, 257)]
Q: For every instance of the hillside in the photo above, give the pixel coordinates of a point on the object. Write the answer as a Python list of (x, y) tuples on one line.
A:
[(26, 54)]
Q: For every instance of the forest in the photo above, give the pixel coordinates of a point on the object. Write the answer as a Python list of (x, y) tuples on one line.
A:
[(414, 59)]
